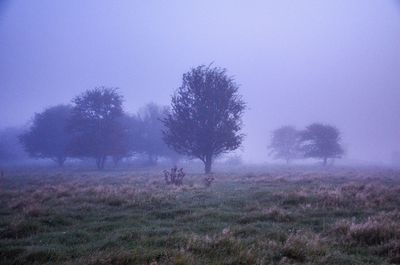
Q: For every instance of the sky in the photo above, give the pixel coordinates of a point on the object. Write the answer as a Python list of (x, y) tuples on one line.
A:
[(297, 62)]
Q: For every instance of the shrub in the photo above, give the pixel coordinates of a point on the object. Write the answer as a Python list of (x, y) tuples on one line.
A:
[(174, 176), (208, 180)]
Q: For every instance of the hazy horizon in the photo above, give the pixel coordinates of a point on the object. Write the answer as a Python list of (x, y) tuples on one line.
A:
[(334, 62)]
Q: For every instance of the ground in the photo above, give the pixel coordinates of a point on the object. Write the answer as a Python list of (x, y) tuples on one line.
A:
[(272, 216)]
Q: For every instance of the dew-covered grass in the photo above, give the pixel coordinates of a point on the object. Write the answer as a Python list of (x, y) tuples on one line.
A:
[(269, 216)]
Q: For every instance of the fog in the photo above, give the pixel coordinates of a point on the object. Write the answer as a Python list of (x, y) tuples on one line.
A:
[(297, 62)]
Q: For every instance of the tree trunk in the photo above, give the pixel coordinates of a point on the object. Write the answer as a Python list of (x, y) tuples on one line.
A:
[(100, 161), (207, 164), (103, 161)]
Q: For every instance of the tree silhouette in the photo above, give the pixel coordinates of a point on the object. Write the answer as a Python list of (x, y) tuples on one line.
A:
[(47, 137), (321, 141), (285, 143), (96, 125), (149, 133), (205, 116), (11, 148)]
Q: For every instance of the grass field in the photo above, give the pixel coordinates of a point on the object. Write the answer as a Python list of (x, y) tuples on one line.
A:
[(274, 216)]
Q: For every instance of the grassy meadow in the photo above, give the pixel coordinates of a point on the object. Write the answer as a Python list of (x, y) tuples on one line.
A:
[(271, 216)]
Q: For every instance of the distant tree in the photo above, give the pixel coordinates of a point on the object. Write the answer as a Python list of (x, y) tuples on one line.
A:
[(132, 126), (122, 147), (205, 117), (321, 141), (150, 133), (151, 142), (285, 143), (11, 149), (47, 137), (96, 125)]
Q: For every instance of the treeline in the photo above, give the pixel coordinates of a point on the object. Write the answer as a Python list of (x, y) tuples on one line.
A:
[(96, 126), (204, 120), (320, 141)]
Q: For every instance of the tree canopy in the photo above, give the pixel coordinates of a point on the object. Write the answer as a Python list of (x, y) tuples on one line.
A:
[(95, 124), (285, 143), (206, 115), (47, 137), (150, 127), (321, 141)]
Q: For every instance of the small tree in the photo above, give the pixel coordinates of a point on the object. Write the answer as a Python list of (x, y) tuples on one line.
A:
[(205, 117), (321, 141), (47, 137), (96, 125), (285, 143)]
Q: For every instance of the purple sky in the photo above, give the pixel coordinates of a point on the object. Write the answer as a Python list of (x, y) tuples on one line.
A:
[(333, 61)]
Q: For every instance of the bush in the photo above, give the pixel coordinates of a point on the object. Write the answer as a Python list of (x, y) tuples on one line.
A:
[(174, 176), (208, 180)]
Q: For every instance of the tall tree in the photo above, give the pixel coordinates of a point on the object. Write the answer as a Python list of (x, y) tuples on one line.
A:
[(285, 143), (95, 123), (321, 141), (206, 115), (47, 137)]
